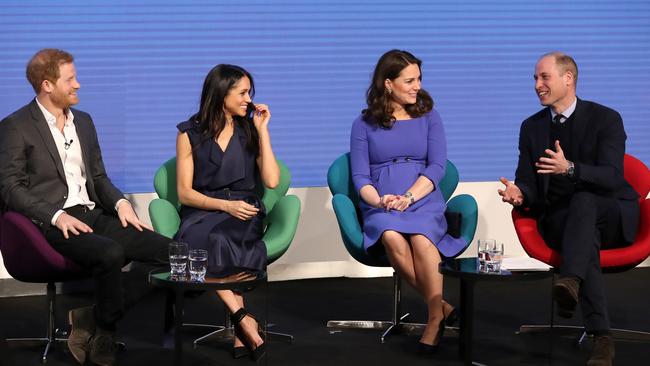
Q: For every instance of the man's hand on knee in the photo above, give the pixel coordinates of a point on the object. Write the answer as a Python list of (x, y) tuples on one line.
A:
[(67, 223), (127, 216)]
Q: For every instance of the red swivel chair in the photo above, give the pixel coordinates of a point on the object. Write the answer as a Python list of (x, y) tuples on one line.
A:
[(28, 257), (611, 260)]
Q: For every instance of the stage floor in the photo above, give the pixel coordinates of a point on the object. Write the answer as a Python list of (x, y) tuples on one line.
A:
[(303, 307)]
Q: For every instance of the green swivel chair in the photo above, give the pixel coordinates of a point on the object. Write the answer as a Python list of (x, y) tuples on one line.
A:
[(282, 212), (346, 207)]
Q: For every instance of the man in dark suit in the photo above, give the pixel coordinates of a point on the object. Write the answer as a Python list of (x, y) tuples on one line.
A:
[(51, 170), (570, 174)]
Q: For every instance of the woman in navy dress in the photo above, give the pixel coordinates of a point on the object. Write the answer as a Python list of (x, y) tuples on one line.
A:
[(398, 156), (221, 154)]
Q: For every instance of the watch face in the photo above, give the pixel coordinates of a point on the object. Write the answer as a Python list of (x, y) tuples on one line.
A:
[(570, 170)]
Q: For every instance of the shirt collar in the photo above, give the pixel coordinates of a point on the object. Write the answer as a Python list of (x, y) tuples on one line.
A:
[(567, 112), (49, 117)]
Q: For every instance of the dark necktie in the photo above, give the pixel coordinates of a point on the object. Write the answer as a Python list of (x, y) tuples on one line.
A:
[(557, 119)]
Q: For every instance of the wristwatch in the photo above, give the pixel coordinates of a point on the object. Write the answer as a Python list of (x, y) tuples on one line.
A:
[(571, 170), (409, 195)]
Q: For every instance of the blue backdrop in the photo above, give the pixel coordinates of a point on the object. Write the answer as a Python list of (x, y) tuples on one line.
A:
[(141, 66)]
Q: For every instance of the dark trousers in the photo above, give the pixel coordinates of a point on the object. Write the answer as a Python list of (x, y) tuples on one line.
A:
[(104, 252), (578, 228)]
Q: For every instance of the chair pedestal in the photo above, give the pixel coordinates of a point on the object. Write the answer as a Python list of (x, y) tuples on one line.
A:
[(396, 325), (566, 330), (226, 333), (579, 331), (50, 340)]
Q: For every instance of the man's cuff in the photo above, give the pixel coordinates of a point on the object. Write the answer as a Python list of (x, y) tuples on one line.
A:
[(56, 216), (117, 204)]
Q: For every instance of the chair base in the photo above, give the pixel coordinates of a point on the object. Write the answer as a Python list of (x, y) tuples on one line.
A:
[(223, 334), (397, 325), (563, 330), (389, 327), (50, 343)]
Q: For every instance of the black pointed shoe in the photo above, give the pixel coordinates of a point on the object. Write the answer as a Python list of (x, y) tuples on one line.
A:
[(256, 353), (425, 349)]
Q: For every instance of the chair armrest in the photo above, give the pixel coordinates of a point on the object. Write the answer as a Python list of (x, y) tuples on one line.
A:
[(282, 222), (468, 208), (164, 217), (531, 240), (269, 199), (350, 228)]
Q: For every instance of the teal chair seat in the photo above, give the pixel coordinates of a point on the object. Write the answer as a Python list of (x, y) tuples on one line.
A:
[(280, 223), (345, 202)]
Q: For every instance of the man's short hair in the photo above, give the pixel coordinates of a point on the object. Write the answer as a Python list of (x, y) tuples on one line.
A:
[(44, 65), (565, 63)]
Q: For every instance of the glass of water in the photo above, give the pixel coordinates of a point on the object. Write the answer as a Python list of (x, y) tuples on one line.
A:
[(494, 258), (483, 245), (198, 264), (178, 253), (490, 255)]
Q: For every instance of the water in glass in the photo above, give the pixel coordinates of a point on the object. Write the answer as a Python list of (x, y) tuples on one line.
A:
[(493, 259), (484, 246), (178, 253), (198, 264)]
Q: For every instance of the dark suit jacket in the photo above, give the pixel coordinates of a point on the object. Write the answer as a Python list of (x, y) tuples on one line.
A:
[(598, 148), (32, 180)]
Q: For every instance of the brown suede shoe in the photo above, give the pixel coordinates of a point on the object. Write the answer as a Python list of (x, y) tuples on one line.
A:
[(102, 348), (565, 293), (603, 352), (82, 322)]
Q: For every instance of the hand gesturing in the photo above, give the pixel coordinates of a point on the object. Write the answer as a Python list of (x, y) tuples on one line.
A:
[(511, 194), (555, 163)]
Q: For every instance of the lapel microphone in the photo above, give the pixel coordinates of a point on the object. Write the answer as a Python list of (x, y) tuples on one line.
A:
[(66, 145)]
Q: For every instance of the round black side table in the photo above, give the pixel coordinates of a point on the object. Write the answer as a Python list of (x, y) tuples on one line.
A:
[(162, 279), (466, 270)]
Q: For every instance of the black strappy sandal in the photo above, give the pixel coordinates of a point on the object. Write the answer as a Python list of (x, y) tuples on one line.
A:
[(236, 318)]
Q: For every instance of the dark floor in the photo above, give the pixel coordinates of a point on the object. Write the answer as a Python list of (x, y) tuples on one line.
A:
[(303, 307)]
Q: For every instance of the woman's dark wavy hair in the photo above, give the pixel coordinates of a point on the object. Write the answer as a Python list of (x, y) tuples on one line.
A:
[(389, 66), (211, 118)]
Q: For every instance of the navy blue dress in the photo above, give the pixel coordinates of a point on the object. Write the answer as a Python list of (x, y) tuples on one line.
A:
[(233, 245)]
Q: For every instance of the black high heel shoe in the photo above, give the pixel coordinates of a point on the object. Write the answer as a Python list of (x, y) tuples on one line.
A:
[(256, 353), (431, 349), (239, 351), (451, 318)]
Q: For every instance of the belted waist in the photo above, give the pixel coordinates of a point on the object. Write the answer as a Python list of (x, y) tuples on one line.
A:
[(398, 161), (229, 194)]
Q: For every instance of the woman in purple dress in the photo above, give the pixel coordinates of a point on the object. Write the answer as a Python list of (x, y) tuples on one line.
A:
[(398, 156), (221, 154)]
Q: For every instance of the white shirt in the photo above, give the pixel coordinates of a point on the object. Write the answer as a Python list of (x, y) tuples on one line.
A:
[(69, 148), (566, 113)]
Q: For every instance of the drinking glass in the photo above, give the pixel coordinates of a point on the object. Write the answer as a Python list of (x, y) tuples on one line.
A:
[(494, 258), (198, 264), (178, 253), (483, 247)]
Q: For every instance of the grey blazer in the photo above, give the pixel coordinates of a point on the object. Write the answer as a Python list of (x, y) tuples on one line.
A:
[(32, 180)]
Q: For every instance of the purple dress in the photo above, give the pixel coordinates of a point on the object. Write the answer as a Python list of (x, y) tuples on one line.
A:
[(391, 160)]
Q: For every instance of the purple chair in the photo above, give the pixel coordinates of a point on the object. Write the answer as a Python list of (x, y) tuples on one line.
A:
[(28, 257)]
